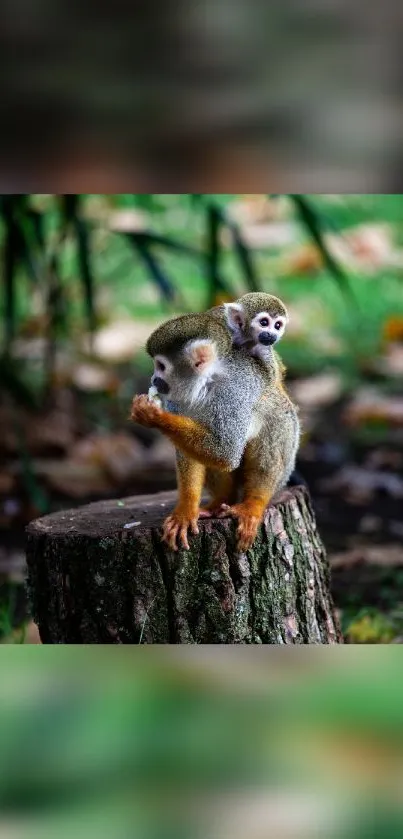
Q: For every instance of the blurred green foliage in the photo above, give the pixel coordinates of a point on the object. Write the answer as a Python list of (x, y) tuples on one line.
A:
[(211, 744), (40, 234), (155, 255), (70, 264), (49, 240)]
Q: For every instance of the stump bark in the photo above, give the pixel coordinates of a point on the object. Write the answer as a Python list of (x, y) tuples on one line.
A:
[(100, 574)]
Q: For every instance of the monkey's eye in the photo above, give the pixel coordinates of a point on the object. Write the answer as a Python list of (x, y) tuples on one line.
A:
[(160, 366), (264, 321), (278, 324)]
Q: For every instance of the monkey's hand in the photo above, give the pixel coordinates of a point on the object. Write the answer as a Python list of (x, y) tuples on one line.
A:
[(176, 527), (145, 411)]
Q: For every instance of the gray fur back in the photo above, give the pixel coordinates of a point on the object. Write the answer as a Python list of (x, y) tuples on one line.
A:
[(227, 406)]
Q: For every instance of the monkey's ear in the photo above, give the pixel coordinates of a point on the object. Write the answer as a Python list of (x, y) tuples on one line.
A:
[(235, 316), (202, 354)]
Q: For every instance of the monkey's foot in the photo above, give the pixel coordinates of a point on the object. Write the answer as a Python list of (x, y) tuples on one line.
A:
[(175, 528), (248, 523), (213, 510), (145, 411)]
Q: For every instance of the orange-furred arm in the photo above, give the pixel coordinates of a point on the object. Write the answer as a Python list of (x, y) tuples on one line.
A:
[(186, 434), (190, 475)]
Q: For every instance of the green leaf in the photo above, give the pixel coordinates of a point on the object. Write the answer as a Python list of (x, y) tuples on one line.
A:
[(243, 253), (71, 211), (150, 238), (217, 285), (155, 271), (311, 220)]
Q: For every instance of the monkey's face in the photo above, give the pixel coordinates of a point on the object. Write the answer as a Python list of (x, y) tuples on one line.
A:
[(266, 328), (262, 329), (184, 375)]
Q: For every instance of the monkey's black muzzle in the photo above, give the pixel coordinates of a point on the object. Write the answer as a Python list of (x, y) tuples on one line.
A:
[(161, 386), (266, 338)]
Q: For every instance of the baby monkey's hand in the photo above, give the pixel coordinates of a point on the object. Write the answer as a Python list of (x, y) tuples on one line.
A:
[(145, 411)]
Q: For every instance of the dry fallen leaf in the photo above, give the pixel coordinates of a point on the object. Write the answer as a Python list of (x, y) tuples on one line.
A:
[(371, 244), (74, 478), (384, 458), (273, 235), (365, 248), (93, 378), (120, 456), (258, 209), (120, 341), (391, 363), (361, 483), (13, 565), (370, 406), (305, 259), (54, 430), (128, 221), (370, 555), (317, 391)]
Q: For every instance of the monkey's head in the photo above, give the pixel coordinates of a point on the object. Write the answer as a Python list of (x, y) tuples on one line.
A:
[(256, 318), (188, 352)]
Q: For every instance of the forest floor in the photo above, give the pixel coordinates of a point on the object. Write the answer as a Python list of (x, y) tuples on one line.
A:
[(356, 485)]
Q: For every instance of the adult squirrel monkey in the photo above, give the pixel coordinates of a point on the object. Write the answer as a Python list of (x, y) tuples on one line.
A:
[(209, 393), (228, 416)]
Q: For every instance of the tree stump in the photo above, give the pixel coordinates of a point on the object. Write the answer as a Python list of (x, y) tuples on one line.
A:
[(100, 574)]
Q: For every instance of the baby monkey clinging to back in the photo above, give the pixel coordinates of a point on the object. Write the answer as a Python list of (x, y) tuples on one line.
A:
[(256, 322)]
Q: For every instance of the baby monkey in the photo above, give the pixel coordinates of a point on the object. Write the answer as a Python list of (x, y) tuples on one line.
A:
[(256, 322)]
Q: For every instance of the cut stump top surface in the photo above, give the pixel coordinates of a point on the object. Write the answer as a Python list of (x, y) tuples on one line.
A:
[(133, 514)]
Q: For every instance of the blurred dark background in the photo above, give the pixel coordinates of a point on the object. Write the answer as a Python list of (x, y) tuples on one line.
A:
[(86, 277), (205, 94)]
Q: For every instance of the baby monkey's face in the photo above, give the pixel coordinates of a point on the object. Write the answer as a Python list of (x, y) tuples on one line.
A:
[(266, 328), (253, 330)]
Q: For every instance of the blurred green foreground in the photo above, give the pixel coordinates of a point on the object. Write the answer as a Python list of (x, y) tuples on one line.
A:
[(230, 743)]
